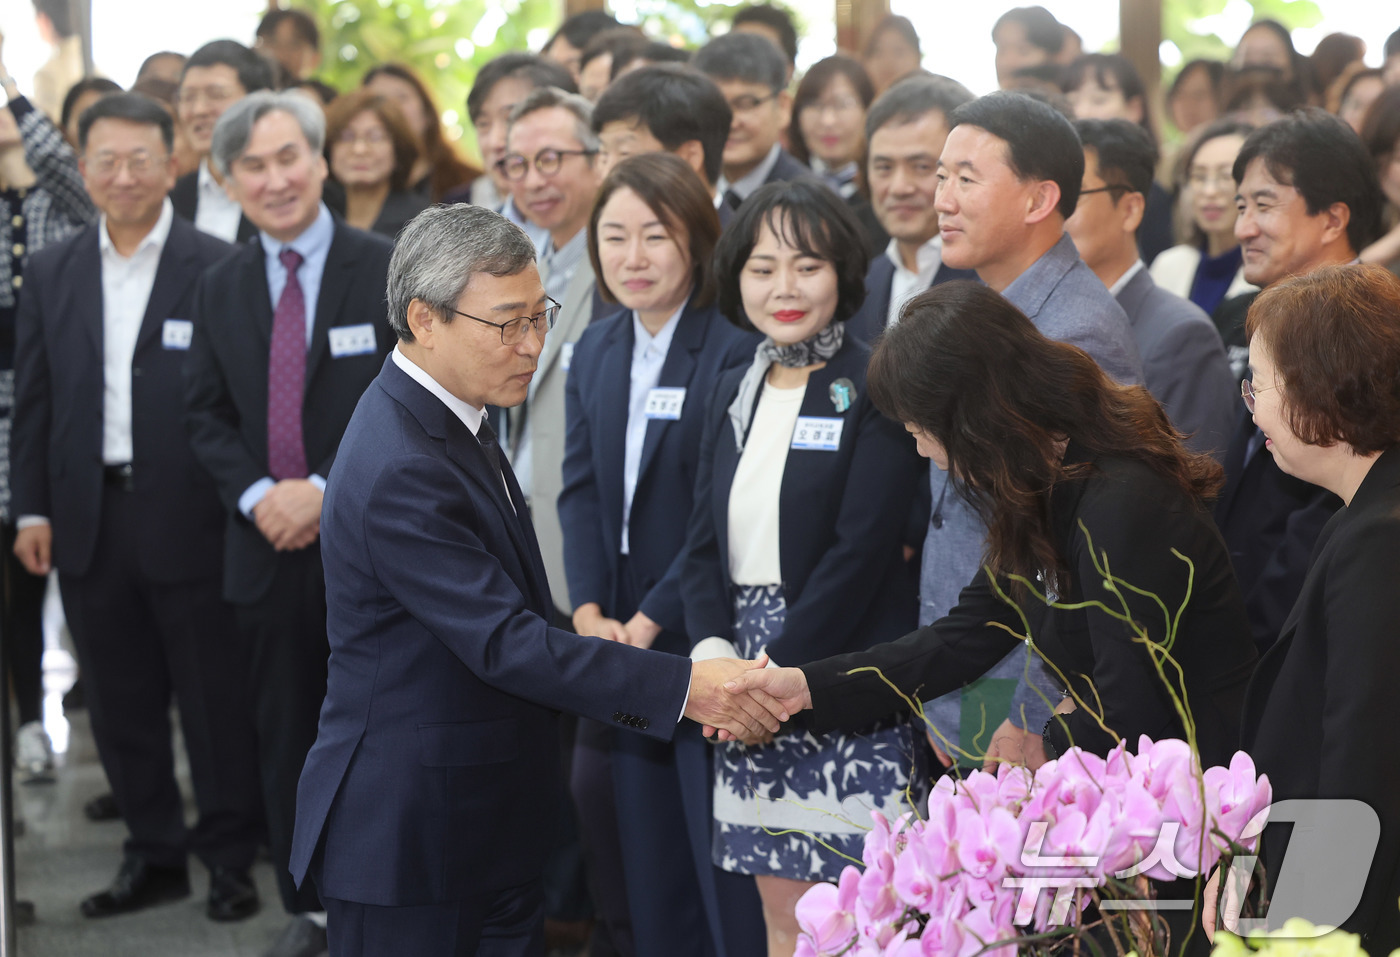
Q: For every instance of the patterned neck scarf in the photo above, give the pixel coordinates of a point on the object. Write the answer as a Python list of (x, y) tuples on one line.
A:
[(818, 348)]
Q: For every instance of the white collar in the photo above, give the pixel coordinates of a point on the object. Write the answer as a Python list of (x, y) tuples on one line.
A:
[(470, 415), (928, 254), (746, 185), (1126, 278), (159, 233), (644, 341), (207, 182)]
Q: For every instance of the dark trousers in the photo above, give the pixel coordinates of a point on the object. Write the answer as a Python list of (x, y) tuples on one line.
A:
[(284, 634), (139, 642), (21, 628), (508, 923), (591, 786)]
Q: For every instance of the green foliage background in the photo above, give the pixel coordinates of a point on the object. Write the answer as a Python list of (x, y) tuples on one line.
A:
[(1180, 20)]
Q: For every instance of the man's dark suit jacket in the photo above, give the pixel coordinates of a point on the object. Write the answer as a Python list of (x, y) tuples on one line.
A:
[(1319, 713), (227, 385), (841, 518), (870, 322), (185, 198), (705, 344), (787, 167), (56, 448), (433, 770)]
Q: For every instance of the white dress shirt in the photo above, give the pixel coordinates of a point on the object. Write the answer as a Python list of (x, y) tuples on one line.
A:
[(1126, 278), (906, 284), (126, 289), (214, 212), (748, 184), (648, 356), (558, 264)]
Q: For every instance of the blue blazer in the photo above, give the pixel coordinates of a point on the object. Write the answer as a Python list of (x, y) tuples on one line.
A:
[(869, 323), (842, 517), (705, 344), (435, 758)]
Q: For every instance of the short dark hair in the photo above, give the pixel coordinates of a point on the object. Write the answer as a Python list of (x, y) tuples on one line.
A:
[(914, 97), (1244, 86), (1042, 29), (1041, 142), (1109, 70), (1319, 156), (673, 192), (322, 90), (1392, 45), (614, 41), (254, 73), (814, 84), (88, 84), (812, 218), (131, 107), (743, 57), (59, 15), (676, 105), (1336, 349), (580, 28), (894, 23), (1215, 72), (538, 71), (774, 18), (302, 24), (163, 91), (1126, 155), (155, 58), (651, 52)]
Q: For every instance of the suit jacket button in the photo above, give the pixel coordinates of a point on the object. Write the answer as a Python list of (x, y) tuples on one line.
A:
[(617, 715), (643, 723)]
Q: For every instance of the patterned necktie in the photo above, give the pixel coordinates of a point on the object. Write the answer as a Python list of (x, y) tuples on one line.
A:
[(286, 377)]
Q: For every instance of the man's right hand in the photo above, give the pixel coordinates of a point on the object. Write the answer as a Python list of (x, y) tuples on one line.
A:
[(590, 620), (289, 515), (34, 548), (785, 686)]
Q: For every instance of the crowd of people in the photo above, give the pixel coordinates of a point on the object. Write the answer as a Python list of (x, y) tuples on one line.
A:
[(656, 392)]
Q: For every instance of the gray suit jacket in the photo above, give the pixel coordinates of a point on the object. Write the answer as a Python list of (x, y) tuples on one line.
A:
[(1183, 362)]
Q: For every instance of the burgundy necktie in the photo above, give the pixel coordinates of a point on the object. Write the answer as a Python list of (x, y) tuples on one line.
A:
[(286, 377)]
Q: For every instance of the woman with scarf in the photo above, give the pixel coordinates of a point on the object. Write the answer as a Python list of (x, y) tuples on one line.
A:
[(794, 547)]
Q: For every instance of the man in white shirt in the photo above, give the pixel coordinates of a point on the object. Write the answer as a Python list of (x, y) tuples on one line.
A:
[(119, 505)]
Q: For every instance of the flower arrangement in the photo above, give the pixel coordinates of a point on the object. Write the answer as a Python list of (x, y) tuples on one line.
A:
[(1013, 859), (1296, 938)]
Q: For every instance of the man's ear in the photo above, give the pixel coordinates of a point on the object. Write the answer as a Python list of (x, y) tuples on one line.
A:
[(1045, 200), (1338, 219), (785, 106), (422, 322), (693, 152), (1132, 207)]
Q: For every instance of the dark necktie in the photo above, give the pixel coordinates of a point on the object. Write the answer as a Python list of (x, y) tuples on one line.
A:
[(732, 200), (487, 437), (286, 377)]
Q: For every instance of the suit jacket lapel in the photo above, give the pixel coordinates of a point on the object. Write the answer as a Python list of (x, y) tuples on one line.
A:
[(87, 269), (615, 377), (173, 276), (681, 360), (257, 302), (340, 262)]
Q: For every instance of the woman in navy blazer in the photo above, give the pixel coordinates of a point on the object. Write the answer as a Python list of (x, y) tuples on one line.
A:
[(635, 400), (795, 543)]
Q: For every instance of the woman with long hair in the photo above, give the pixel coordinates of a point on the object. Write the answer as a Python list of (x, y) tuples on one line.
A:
[(1381, 133), (439, 167)]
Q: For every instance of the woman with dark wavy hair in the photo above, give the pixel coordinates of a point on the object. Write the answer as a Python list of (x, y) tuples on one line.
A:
[(1075, 476)]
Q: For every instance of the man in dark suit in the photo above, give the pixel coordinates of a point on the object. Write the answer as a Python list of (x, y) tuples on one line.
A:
[(117, 502), (1308, 198), (752, 76), (420, 805), (906, 128), (1183, 359), (290, 330)]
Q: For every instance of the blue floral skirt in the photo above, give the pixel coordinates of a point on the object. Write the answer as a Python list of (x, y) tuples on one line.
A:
[(777, 805)]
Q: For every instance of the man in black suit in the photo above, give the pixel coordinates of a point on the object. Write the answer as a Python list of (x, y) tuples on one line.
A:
[(290, 330), (118, 503), (906, 128), (752, 75)]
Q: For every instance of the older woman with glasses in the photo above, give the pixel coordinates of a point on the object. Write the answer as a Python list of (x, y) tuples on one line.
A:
[(371, 152)]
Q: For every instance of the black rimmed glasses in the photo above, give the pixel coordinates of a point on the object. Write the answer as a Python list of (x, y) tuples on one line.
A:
[(513, 330), (547, 161), (1248, 392)]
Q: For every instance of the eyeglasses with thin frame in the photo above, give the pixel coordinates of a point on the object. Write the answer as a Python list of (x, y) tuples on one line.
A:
[(1104, 189), (1248, 392), (513, 330), (514, 166), (137, 164), (742, 104)]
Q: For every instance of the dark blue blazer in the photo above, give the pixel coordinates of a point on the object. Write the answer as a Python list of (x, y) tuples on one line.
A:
[(869, 323), (705, 344), (432, 775), (842, 517), (56, 446)]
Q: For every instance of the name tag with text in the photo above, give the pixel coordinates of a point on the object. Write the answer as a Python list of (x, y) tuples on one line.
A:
[(566, 356), (665, 404), (176, 333), (817, 434), (352, 340)]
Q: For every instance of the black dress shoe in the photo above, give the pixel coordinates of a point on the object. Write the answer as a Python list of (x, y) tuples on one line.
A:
[(303, 937), (232, 894), (138, 885), (102, 808)]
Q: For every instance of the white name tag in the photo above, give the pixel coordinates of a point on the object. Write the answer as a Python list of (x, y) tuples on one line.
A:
[(352, 340), (817, 434), (176, 333), (566, 356), (665, 403)]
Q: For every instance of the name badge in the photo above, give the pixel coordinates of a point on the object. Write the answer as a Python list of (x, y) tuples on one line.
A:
[(176, 333), (665, 403), (566, 356), (817, 434), (352, 340)]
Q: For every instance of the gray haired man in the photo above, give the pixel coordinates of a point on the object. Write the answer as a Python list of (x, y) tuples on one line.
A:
[(288, 332)]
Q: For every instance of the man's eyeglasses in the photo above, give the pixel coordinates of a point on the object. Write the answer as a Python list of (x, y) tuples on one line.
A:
[(1248, 392), (1116, 189), (547, 161), (747, 102), (513, 330), (137, 164)]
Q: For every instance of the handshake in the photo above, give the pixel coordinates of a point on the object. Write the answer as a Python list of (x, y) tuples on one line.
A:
[(744, 700)]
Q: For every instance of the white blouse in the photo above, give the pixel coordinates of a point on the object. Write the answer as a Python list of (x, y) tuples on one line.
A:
[(758, 483)]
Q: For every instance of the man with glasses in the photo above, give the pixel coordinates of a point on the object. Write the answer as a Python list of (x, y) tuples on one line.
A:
[(108, 491), (289, 331), (752, 75)]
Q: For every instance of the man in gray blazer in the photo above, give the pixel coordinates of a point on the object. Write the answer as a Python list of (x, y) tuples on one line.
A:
[(1182, 355)]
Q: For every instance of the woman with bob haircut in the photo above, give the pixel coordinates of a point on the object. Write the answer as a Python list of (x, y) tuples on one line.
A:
[(635, 402), (1072, 474), (371, 151), (795, 542), (1324, 388)]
